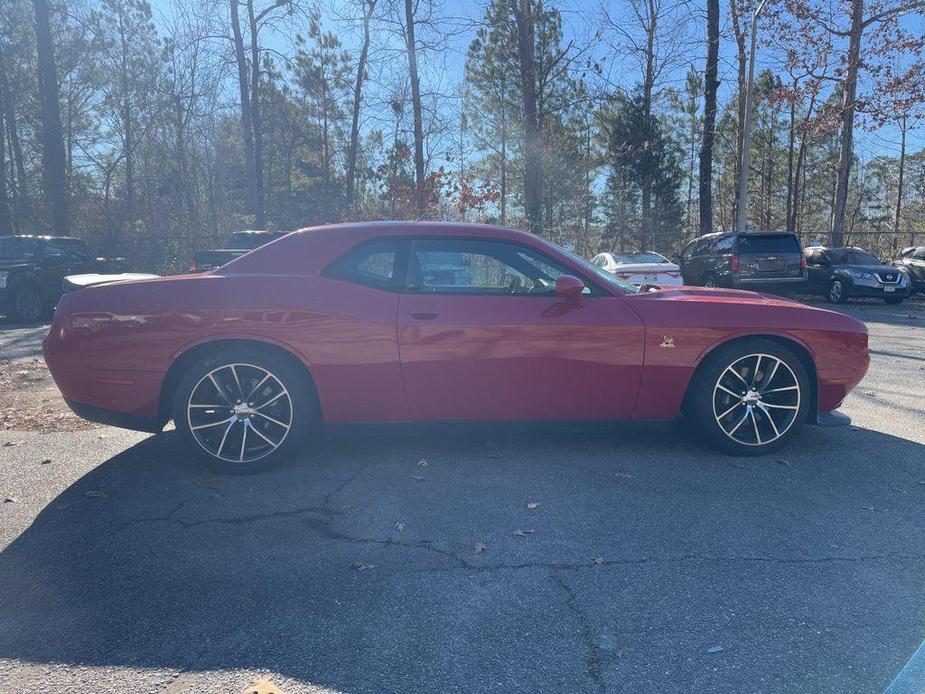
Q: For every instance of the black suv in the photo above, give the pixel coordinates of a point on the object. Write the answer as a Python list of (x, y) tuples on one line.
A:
[(32, 269), (769, 260), (912, 261), (842, 273)]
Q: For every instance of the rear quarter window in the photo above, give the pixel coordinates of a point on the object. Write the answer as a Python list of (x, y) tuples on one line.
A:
[(768, 245)]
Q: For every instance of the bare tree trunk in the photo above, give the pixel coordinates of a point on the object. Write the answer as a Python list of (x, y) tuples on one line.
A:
[(247, 128), (711, 84), (791, 140), (532, 173), (259, 202), (128, 136), (349, 185), (739, 34), (17, 183), (503, 177), (846, 151), (647, 87), (54, 164), (6, 210), (415, 107), (897, 216)]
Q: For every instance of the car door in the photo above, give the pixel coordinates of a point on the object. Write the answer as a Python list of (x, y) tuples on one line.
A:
[(483, 336)]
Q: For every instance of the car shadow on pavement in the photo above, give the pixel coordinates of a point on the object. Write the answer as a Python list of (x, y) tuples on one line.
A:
[(543, 562)]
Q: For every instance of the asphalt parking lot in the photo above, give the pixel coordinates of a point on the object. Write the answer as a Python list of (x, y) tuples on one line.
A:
[(625, 560)]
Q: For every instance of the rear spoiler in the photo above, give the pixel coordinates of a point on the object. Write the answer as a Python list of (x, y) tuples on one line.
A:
[(72, 282)]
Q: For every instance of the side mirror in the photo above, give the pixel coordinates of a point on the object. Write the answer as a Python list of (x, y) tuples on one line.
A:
[(569, 287)]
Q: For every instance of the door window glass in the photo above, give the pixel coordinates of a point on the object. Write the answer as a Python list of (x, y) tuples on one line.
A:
[(474, 266)]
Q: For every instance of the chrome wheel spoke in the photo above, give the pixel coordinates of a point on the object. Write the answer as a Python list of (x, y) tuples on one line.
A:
[(213, 424), (782, 407), (751, 413), (780, 390), (271, 400), (275, 421), (726, 390), (723, 415)]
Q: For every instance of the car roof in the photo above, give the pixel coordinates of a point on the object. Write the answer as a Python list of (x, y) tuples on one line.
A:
[(312, 248)]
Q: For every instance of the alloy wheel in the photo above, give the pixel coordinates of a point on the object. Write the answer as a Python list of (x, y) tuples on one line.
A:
[(835, 292), (756, 399), (239, 412)]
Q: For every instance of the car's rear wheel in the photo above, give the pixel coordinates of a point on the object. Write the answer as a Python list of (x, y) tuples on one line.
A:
[(750, 397), (26, 305), (243, 411), (838, 292), (710, 281)]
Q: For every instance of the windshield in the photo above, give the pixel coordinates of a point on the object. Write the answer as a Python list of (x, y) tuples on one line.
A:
[(851, 256), (601, 273), (639, 257), (17, 247)]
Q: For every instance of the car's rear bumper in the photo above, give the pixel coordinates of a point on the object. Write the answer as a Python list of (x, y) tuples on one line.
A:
[(115, 418)]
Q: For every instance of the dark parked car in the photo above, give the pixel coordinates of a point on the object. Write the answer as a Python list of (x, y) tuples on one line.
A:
[(843, 273), (912, 262), (239, 243), (32, 269), (769, 260)]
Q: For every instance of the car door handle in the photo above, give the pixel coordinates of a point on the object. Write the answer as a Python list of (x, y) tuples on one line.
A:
[(423, 316)]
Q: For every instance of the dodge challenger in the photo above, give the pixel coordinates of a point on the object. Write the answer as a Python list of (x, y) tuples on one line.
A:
[(434, 322)]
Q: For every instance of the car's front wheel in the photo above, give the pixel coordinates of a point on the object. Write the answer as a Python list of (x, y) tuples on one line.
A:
[(243, 411), (751, 397)]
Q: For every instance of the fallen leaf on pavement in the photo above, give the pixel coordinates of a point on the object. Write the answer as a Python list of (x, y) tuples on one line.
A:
[(715, 649), (400, 527), (423, 462), (599, 561), (478, 548), (783, 462), (868, 508), (9, 500), (47, 461), (533, 505), (360, 566), (7, 444), (523, 532)]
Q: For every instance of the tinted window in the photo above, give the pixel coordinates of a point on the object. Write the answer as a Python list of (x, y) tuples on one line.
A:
[(852, 256), (373, 263), (14, 247), (71, 249), (473, 266), (726, 244), (768, 245)]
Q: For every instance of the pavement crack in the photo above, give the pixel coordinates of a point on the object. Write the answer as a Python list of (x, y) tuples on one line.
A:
[(596, 656), (343, 485), (324, 529)]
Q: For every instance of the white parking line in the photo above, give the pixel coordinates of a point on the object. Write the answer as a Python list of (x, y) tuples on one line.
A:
[(911, 679)]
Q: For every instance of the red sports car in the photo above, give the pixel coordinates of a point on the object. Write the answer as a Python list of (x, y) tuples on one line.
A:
[(429, 322)]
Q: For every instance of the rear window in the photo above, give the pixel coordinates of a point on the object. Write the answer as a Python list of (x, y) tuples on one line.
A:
[(768, 245)]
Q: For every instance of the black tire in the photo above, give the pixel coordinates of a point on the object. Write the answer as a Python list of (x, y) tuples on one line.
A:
[(838, 292), (714, 410), (893, 300), (253, 439), (26, 304), (710, 282)]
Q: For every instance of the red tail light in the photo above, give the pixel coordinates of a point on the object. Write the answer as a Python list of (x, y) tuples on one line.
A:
[(802, 262), (193, 267), (733, 263)]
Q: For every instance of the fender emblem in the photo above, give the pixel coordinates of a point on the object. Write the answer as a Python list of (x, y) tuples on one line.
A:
[(667, 341)]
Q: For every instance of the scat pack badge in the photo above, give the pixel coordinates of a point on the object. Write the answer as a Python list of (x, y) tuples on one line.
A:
[(668, 342)]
